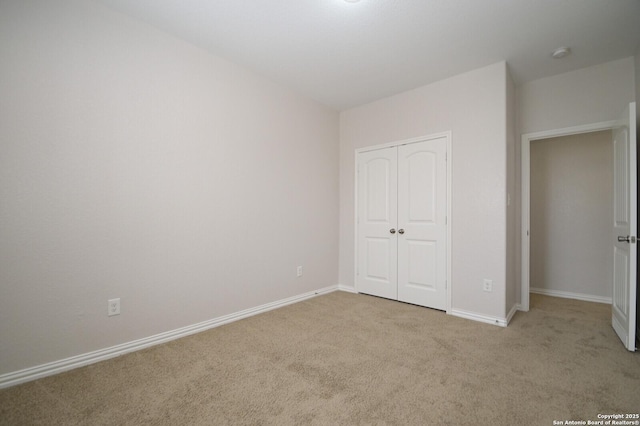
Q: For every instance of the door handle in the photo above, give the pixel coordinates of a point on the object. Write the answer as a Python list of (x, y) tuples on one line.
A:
[(392, 230), (400, 231), (627, 239)]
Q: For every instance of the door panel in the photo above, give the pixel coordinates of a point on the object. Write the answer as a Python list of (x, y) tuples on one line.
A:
[(378, 191), (625, 229), (421, 175), (621, 274), (422, 268), (377, 215), (422, 217), (377, 255)]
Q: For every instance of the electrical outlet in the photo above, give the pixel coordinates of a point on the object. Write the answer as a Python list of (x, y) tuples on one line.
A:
[(113, 307), (487, 285), (299, 271)]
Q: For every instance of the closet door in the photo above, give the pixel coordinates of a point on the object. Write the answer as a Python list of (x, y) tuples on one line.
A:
[(422, 228), (376, 223)]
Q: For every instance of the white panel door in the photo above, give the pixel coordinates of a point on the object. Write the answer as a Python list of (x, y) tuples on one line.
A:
[(422, 229), (377, 267), (625, 229)]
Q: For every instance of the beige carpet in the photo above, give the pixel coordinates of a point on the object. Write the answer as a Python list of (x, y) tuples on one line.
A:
[(345, 359)]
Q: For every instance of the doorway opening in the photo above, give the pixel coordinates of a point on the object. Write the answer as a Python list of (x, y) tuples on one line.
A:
[(624, 223), (571, 205), (527, 140)]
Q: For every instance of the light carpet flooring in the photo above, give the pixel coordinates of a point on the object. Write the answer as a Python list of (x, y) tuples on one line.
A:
[(348, 359)]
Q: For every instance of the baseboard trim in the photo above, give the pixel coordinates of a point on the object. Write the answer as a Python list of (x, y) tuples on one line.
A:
[(347, 288), (515, 308), (569, 295), (55, 367), (502, 322)]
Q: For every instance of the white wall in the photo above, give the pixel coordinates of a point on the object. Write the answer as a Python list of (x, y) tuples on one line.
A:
[(473, 106), (589, 95), (586, 96), (137, 166), (571, 215)]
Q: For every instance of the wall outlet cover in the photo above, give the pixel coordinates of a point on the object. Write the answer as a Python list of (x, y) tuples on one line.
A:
[(113, 307)]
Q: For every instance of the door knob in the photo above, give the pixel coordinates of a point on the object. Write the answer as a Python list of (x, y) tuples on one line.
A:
[(627, 239), (392, 230), (400, 231)]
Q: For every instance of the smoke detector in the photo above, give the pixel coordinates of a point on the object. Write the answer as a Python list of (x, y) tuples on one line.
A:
[(561, 52)]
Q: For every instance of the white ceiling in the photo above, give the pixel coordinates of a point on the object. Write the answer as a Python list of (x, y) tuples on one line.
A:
[(346, 54)]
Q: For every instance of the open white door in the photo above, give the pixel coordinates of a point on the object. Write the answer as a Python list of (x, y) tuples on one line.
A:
[(625, 228)]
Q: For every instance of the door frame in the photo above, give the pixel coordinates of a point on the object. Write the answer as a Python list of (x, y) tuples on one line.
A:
[(525, 182), (448, 157)]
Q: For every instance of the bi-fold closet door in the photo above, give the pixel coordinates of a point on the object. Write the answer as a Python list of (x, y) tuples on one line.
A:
[(401, 223)]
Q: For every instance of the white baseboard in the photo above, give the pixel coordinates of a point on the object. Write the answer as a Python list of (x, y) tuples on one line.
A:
[(502, 322), (55, 367), (569, 295), (347, 288), (512, 312)]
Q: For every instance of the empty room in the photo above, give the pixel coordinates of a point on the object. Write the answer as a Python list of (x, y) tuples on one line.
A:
[(325, 212)]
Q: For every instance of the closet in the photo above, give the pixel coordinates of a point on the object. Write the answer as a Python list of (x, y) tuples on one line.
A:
[(401, 222)]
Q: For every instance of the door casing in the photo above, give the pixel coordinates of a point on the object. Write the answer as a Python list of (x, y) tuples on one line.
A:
[(525, 191), (525, 180)]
